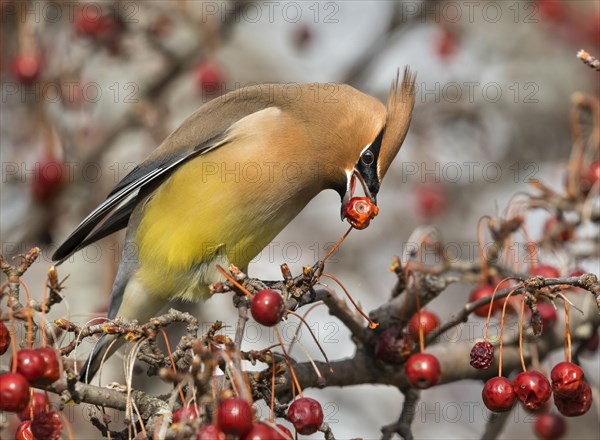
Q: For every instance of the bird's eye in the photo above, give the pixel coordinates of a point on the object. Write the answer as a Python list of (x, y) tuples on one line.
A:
[(367, 157)]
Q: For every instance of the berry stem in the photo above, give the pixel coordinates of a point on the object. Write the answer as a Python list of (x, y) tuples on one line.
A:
[(13, 330), (65, 420), (29, 316), (484, 265), (531, 249), (521, 315), (331, 251), (233, 281), (502, 330), (372, 324), (272, 415), (567, 333), (287, 361), (411, 274), (489, 316), (312, 334), (172, 363), (43, 317)]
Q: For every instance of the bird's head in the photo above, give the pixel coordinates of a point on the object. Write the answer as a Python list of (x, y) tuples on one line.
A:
[(376, 144)]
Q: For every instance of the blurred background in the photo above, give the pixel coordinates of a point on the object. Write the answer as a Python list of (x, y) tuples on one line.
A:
[(90, 88)]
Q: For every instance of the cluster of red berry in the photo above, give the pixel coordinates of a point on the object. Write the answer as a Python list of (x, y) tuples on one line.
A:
[(41, 367), (395, 346), (235, 415)]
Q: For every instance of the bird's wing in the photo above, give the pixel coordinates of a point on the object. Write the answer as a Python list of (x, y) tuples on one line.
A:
[(114, 212), (203, 131)]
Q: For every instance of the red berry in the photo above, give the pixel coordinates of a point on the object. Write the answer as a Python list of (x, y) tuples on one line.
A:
[(498, 394), (26, 68), (14, 392), (262, 431), (431, 199), (49, 178), (306, 415), (577, 272), (549, 426), (90, 22), (567, 379), (302, 37), (267, 307), (30, 364), (446, 43), (210, 432), (185, 413), (423, 370), (52, 372), (575, 406), (547, 313), (485, 291), (482, 355), (38, 402), (592, 344), (532, 388), (393, 346), (4, 338), (24, 432), (558, 229), (545, 271), (209, 77), (593, 172), (234, 416), (284, 433), (551, 10), (359, 212), (429, 322), (47, 426)]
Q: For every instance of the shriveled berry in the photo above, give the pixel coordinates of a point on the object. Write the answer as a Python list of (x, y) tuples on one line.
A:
[(498, 394), (14, 392), (575, 406), (47, 426), (532, 388), (4, 338), (393, 346), (359, 212), (567, 379), (234, 416), (37, 405), (423, 370), (429, 322), (267, 307), (306, 415), (482, 355), (210, 432), (550, 426)]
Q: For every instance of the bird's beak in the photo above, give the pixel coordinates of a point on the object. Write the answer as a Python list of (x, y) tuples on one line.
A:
[(370, 189)]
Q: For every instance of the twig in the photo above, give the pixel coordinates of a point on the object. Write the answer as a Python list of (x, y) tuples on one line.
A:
[(589, 60), (403, 425)]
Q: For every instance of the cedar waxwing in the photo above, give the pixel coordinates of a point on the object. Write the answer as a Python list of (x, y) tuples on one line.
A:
[(229, 179)]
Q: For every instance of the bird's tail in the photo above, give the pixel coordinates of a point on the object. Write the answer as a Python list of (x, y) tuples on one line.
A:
[(105, 348)]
